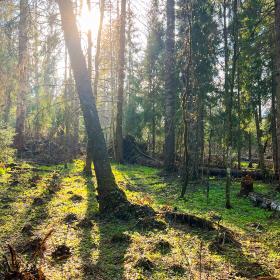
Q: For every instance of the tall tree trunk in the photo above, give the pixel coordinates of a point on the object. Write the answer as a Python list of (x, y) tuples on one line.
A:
[(187, 100), (87, 168), (228, 103), (23, 76), (239, 141), (110, 196), (250, 150), (273, 122), (259, 141), (112, 86), (277, 75), (170, 89), (121, 76), (66, 111), (37, 126)]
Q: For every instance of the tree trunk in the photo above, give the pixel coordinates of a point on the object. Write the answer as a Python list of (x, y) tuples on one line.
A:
[(239, 141), (23, 76), (250, 150), (273, 122), (228, 103), (259, 141), (87, 168), (110, 196), (187, 101), (277, 75), (121, 76), (170, 88)]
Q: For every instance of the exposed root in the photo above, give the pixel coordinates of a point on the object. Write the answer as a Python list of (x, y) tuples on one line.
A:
[(190, 220), (224, 235), (13, 268), (37, 246)]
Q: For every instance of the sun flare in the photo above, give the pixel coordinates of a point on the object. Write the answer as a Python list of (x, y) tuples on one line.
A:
[(88, 20)]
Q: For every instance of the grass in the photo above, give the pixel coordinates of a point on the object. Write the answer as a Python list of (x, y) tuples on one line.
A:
[(96, 256)]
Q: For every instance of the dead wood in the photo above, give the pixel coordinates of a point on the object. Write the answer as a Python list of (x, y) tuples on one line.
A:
[(262, 201)]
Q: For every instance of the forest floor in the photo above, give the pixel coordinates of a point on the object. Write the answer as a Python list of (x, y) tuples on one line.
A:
[(113, 249)]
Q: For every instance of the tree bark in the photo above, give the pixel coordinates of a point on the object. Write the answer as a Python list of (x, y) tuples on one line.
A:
[(169, 147), (121, 76), (228, 103), (259, 141), (110, 196), (23, 76), (250, 165), (277, 75), (273, 123)]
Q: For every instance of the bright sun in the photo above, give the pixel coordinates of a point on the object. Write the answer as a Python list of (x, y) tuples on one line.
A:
[(89, 20)]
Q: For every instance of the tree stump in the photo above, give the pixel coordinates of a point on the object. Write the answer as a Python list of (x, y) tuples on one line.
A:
[(247, 185)]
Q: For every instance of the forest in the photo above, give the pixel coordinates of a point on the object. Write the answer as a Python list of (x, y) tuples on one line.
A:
[(139, 139)]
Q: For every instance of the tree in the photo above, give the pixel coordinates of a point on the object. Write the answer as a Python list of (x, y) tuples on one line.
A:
[(228, 104), (196, 62), (23, 76), (87, 168), (110, 196), (277, 73), (170, 88), (121, 76)]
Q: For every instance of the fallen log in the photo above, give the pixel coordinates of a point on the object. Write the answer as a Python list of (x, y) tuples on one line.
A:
[(262, 201), (134, 153), (235, 173)]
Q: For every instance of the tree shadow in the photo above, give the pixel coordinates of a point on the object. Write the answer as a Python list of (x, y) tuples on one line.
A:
[(112, 244), (18, 184), (231, 251), (88, 243)]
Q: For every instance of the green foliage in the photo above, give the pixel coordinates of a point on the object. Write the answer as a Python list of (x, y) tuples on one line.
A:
[(6, 140)]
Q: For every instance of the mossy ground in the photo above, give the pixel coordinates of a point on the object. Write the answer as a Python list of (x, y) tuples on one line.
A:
[(99, 253)]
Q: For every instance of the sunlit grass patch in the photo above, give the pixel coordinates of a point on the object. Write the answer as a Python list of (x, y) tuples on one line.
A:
[(115, 249)]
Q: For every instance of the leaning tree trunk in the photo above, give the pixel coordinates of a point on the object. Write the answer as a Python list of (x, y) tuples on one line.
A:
[(110, 196), (169, 147), (277, 76), (87, 168), (121, 76), (23, 78)]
